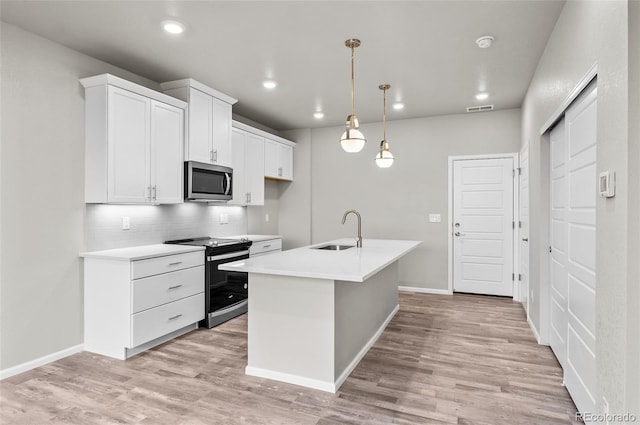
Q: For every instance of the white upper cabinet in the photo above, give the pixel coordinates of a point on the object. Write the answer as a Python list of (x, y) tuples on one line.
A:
[(131, 131), (248, 167), (208, 122), (278, 159)]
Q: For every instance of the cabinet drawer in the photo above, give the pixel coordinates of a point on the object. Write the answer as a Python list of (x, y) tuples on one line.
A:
[(153, 323), (167, 263), (160, 289), (263, 247)]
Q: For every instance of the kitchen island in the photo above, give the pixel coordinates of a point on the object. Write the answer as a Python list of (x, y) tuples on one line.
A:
[(314, 313)]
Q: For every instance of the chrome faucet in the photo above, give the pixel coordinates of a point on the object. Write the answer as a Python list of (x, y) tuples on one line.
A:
[(344, 219)]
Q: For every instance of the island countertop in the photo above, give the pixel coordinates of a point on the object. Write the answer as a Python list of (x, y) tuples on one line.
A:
[(353, 264)]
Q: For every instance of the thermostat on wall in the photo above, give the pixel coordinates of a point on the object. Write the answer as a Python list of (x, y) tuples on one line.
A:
[(607, 184)]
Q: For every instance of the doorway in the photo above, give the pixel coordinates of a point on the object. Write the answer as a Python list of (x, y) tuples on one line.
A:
[(482, 225)]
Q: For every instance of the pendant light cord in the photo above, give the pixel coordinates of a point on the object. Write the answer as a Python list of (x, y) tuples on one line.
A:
[(353, 82), (384, 115)]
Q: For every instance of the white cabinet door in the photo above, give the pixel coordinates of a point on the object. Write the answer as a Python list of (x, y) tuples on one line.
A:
[(278, 163), (167, 140), (199, 146), (128, 147), (248, 168), (255, 169), (221, 132), (286, 162), (238, 159), (271, 158)]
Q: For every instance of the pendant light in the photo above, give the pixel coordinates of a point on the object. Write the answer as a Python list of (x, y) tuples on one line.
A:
[(352, 139), (384, 158)]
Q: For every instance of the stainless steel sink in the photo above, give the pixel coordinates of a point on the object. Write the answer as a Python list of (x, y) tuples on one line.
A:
[(332, 247)]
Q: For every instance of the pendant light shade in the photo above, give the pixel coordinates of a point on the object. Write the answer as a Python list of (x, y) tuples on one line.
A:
[(384, 158), (352, 139)]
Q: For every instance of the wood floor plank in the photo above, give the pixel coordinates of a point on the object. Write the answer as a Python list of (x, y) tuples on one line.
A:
[(462, 359)]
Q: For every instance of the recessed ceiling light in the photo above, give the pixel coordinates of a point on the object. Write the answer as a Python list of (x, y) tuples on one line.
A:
[(269, 84), (485, 41), (318, 115), (398, 106), (173, 27), (482, 96)]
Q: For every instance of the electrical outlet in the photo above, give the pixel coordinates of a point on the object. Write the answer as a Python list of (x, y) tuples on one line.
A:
[(533, 299), (126, 223), (266, 218), (224, 218), (434, 218)]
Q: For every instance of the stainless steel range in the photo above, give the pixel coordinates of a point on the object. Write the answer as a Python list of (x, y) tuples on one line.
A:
[(225, 292)]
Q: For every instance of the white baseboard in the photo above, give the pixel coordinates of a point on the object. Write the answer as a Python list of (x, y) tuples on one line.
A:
[(330, 387), (6, 373), (291, 379), (425, 290), (533, 329)]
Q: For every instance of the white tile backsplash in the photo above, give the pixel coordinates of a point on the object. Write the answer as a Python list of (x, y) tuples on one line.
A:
[(155, 224)]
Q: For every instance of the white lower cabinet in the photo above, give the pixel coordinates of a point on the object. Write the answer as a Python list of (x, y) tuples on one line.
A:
[(268, 246), (134, 304)]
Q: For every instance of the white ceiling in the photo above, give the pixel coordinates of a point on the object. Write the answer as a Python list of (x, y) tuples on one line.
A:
[(425, 49)]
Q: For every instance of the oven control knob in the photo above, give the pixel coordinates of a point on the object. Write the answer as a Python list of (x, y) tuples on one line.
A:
[(246, 286)]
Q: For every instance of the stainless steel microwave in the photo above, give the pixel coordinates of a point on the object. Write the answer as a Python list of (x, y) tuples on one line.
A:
[(207, 182)]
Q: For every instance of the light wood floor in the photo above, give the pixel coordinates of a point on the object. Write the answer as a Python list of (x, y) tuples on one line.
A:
[(459, 359)]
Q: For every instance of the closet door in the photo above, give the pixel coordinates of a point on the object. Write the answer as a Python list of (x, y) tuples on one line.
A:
[(572, 277), (558, 238), (580, 373)]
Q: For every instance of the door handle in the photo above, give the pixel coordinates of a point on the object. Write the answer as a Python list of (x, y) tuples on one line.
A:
[(458, 234), (525, 239)]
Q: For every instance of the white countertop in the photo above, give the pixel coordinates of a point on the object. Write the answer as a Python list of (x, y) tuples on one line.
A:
[(255, 238), (141, 252), (353, 264)]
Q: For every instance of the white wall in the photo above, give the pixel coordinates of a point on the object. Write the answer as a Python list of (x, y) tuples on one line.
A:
[(589, 32), (394, 202), (42, 207)]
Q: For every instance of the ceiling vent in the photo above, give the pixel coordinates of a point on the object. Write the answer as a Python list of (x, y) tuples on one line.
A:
[(481, 108)]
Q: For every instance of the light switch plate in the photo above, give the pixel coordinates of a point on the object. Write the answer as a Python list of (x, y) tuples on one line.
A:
[(434, 218), (224, 218), (126, 223)]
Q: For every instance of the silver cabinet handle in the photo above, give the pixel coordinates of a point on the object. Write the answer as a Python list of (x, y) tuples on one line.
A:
[(155, 192), (215, 155), (525, 239), (177, 316), (149, 193), (175, 287), (211, 155), (176, 263), (266, 246), (280, 171)]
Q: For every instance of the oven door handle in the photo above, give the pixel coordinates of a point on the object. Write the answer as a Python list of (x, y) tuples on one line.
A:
[(227, 256)]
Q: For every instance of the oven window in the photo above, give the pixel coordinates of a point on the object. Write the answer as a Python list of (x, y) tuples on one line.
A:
[(226, 287), (207, 181)]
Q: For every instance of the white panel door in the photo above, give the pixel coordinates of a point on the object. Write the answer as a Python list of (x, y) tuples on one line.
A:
[(580, 373), (523, 269), (128, 146), (167, 144), (558, 240), (221, 132), (483, 226)]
